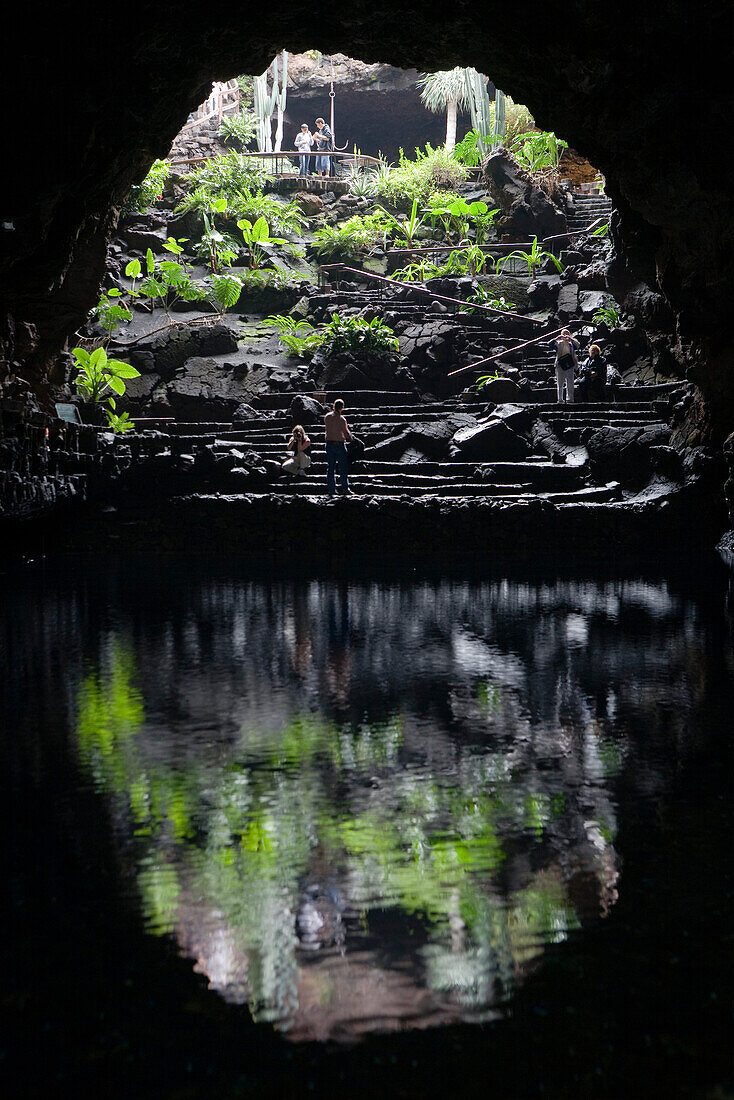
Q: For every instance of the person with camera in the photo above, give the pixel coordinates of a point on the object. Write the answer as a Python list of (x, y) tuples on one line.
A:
[(565, 346), (299, 444)]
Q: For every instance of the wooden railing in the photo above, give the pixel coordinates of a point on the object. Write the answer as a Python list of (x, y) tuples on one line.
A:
[(223, 99)]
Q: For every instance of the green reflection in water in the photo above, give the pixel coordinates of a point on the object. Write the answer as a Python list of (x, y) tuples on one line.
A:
[(242, 832)]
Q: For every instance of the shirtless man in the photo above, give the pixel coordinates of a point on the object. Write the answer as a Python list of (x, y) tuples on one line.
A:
[(337, 435)]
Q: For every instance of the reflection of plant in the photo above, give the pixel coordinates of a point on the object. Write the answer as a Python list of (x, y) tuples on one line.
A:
[(243, 830), (536, 257)]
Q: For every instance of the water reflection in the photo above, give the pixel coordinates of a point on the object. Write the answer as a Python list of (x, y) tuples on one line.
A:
[(371, 807)]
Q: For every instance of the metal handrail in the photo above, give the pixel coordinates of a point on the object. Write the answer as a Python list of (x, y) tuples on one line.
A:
[(518, 347), (419, 289)]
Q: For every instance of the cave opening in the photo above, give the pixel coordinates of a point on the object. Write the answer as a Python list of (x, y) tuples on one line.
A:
[(286, 770)]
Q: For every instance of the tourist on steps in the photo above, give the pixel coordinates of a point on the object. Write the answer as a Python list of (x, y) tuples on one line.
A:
[(566, 347), (337, 437), (592, 382), (304, 144), (299, 444), (323, 144)]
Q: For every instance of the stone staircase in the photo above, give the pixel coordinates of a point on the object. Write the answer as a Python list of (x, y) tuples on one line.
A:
[(588, 209), (375, 418)]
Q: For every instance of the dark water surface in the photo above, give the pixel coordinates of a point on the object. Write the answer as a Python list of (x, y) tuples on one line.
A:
[(346, 808)]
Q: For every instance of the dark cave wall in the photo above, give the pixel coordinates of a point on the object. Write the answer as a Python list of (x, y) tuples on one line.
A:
[(641, 90)]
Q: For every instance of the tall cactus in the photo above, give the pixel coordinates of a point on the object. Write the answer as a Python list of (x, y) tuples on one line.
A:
[(500, 119), (489, 136), (266, 101)]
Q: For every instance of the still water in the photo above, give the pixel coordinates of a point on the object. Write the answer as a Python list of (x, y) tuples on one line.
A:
[(362, 806)]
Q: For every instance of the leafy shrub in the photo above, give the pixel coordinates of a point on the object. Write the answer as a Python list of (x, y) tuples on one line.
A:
[(144, 194), (298, 336), (352, 239), (537, 150), (226, 176), (607, 315), (371, 338), (239, 129), (432, 170), (367, 338), (282, 217)]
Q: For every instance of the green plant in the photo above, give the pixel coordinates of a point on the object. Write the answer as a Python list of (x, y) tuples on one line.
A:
[(119, 422), (455, 218), (405, 230), (226, 291), (536, 257), (96, 374), (257, 237), (538, 150), (483, 379), (142, 195), (268, 100), (166, 281), (371, 338), (219, 248), (223, 177), (607, 315), (298, 336), (352, 239), (282, 217), (110, 310), (362, 183), (417, 179), (467, 151), (484, 298), (238, 129)]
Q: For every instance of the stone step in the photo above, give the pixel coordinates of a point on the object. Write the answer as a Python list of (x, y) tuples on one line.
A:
[(300, 487)]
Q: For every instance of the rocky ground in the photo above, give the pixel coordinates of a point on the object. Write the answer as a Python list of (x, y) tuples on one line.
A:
[(218, 392)]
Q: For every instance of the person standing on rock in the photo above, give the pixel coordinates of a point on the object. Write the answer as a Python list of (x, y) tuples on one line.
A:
[(337, 437), (566, 347), (304, 144), (323, 144), (299, 444)]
